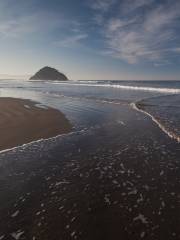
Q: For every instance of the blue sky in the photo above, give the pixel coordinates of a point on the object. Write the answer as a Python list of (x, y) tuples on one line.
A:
[(91, 39)]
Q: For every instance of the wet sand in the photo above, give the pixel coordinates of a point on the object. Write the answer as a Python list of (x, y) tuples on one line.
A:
[(114, 181), (23, 121)]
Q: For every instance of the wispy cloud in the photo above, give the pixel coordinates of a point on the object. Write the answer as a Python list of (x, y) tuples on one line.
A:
[(37, 23), (71, 41), (15, 28), (116, 24), (149, 34), (162, 17), (162, 63), (128, 6), (102, 5), (177, 50)]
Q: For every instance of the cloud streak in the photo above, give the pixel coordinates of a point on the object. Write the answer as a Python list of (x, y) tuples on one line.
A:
[(143, 31), (37, 22), (71, 41), (101, 5)]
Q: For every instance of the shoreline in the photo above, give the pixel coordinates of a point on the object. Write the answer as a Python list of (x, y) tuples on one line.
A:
[(25, 121), (92, 183), (169, 134)]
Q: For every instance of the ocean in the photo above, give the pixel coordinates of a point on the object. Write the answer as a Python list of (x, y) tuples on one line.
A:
[(115, 176), (160, 99)]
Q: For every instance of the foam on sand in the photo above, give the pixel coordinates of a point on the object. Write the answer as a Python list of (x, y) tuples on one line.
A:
[(161, 126)]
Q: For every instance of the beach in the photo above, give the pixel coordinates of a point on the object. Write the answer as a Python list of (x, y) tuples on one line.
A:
[(24, 121), (116, 176), (90, 120)]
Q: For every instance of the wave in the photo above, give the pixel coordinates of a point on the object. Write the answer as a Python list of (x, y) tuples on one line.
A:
[(119, 86), (98, 100), (41, 140), (160, 125)]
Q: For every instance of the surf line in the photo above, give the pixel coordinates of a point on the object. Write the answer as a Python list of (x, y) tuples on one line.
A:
[(41, 140), (147, 89), (170, 134)]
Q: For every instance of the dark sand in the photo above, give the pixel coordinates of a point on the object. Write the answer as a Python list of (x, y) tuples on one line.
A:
[(115, 182), (23, 121)]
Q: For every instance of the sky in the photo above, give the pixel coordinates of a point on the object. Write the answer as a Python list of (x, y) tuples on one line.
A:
[(91, 39)]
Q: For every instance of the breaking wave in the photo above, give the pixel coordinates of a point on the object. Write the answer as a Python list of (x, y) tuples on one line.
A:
[(137, 88)]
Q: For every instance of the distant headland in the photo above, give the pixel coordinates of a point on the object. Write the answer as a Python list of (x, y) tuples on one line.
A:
[(49, 73)]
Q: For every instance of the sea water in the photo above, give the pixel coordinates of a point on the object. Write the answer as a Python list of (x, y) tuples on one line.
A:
[(117, 171), (160, 99)]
